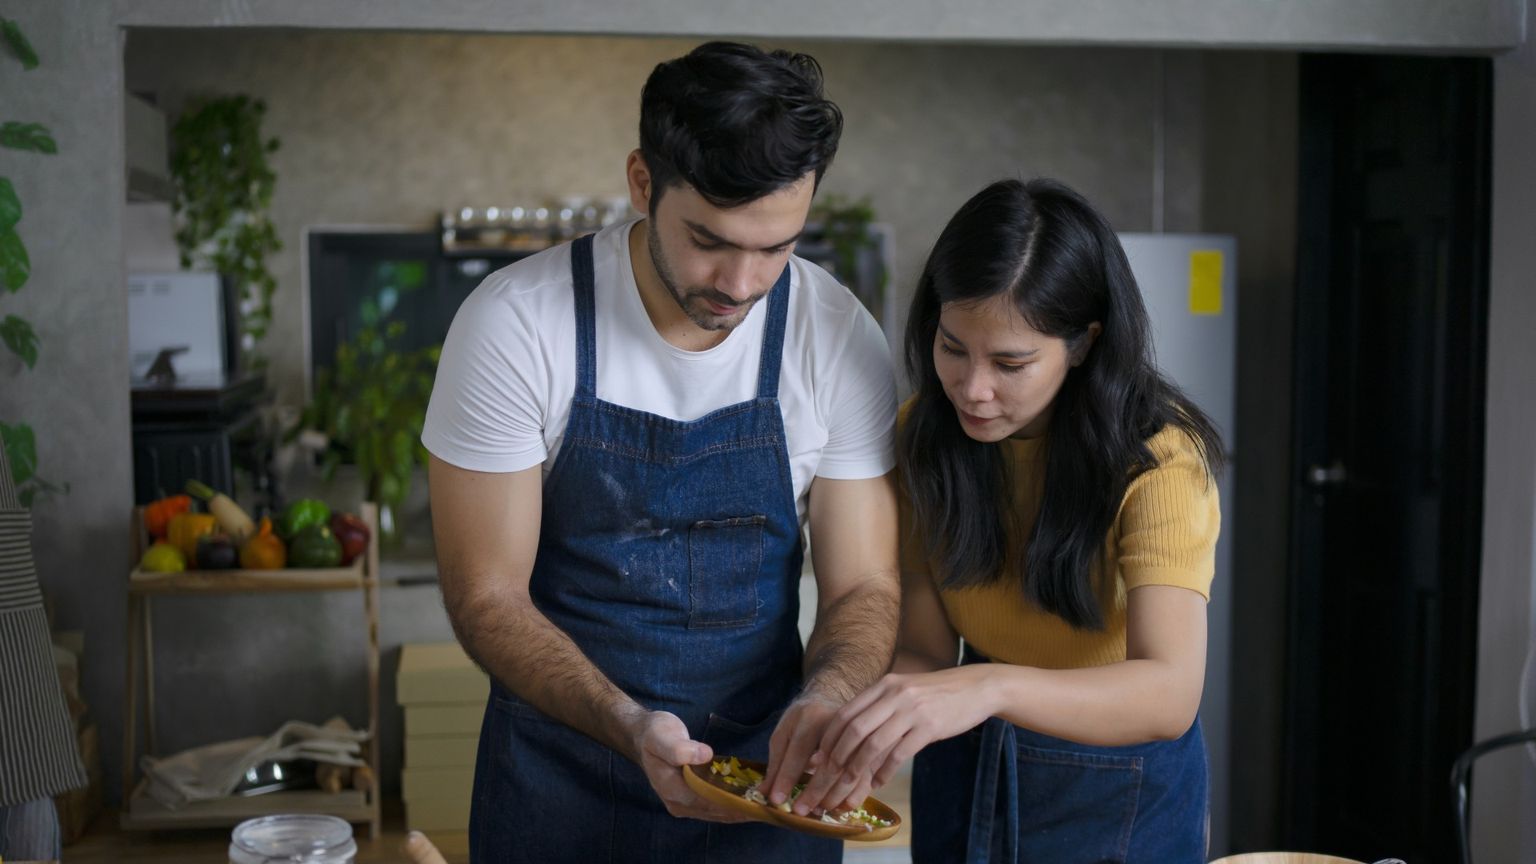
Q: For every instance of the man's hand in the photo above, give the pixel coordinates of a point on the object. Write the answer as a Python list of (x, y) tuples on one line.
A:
[(888, 724), (665, 751), (796, 737)]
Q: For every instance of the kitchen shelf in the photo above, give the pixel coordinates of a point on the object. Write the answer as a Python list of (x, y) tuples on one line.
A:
[(249, 581), (146, 814), (141, 812)]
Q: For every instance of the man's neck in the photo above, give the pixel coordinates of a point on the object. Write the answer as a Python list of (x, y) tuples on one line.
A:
[(669, 319)]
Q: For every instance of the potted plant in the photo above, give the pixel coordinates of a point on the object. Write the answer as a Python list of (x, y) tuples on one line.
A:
[(845, 229), (370, 406)]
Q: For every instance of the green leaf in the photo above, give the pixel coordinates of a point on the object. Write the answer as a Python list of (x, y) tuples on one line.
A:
[(20, 451), (10, 205), (390, 489), (27, 136), (17, 42), (412, 274), (18, 336), (15, 266), (401, 451)]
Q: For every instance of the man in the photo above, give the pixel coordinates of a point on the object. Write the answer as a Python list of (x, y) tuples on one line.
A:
[(628, 433)]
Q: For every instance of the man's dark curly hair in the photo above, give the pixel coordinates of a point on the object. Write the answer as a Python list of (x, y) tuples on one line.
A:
[(736, 123)]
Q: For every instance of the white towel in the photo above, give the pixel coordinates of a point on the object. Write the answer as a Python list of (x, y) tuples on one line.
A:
[(214, 770)]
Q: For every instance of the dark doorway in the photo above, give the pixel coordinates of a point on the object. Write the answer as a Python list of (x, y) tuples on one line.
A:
[(1388, 483)]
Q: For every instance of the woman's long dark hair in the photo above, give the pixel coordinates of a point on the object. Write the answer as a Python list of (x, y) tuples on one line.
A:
[(1064, 268)]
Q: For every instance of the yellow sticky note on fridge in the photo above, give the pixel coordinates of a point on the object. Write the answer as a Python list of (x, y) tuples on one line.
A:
[(1205, 282)]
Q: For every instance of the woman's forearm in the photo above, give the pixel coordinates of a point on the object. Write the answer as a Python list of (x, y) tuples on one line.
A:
[(1130, 702)]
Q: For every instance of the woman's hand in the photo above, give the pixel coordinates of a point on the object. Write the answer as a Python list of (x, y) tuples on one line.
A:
[(888, 724)]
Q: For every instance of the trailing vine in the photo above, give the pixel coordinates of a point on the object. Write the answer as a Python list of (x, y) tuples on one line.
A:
[(223, 189), (18, 439)]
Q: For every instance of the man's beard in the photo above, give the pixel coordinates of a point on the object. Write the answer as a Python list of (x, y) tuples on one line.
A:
[(693, 301)]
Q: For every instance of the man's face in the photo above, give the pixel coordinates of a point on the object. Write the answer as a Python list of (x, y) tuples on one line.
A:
[(717, 263)]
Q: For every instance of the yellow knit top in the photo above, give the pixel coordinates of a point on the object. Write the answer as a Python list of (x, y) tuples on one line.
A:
[(1165, 534)]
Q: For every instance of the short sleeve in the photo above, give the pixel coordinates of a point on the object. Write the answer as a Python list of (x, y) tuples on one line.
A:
[(860, 404), (1170, 520), (487, 412), (913, 550)]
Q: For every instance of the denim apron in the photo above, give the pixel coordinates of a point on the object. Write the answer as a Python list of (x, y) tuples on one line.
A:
[(670, 554), (1001, 794)]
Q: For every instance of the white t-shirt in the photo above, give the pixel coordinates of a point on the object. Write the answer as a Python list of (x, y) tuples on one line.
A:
[(508, 368)]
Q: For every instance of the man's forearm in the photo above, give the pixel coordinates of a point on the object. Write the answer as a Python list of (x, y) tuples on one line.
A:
[(513, 641), (854, 638)]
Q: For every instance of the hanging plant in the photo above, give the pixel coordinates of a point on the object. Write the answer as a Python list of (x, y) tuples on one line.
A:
[(18, 443), (223, 189)]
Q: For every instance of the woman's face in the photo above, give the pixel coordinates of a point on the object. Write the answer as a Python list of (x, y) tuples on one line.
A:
[(1001, 374)]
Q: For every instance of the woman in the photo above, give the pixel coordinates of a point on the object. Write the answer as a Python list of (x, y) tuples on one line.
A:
[(1062, 517)]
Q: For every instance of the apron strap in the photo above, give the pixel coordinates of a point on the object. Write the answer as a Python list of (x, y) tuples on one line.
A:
[(586, 317), (998, 751), (773, 338)]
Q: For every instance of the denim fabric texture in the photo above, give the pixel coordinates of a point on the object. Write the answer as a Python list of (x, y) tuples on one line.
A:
[(30, 831), (1002, 794), (670, 554)]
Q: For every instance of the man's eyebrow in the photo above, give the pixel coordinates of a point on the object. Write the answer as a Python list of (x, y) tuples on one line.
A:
[(716, 239), (1009, 355)]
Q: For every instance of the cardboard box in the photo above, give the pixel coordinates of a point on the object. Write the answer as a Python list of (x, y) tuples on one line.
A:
[(439, 673), (440, 751), (78, 808), (447, 719), (437, 784), (442, 816)]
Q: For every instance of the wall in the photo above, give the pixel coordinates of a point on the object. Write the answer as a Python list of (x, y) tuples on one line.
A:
[(1259, 206), (1370, 24), (388, 128), (76, 399), (1504, 792)]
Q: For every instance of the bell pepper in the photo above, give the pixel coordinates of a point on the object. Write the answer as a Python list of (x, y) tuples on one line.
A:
[(302, 514), (157, 515), (186, 528), (263, 551), (353, 534)]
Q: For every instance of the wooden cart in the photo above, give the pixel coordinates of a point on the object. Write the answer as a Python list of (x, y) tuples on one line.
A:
[(140, 811)]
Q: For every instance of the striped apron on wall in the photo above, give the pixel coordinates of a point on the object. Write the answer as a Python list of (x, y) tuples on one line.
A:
[(38, 754)]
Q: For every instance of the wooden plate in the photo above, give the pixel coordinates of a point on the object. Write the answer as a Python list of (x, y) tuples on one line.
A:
[(712, 787)]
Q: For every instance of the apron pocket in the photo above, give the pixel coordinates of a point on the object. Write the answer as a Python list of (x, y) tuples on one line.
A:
[(1076, 807), (745, 740), (724, 558)]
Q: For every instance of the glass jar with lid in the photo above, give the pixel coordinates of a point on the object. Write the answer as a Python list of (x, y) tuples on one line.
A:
[(301, 839)]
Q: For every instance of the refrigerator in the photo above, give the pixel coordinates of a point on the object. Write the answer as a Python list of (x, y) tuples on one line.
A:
[(1189, 284)]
